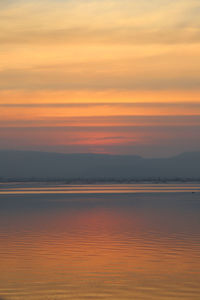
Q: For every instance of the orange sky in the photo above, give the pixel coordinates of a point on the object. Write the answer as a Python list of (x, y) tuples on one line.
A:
[(126, 72)]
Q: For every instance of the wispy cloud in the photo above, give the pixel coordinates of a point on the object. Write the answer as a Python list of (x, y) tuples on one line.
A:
[(117, 76), (96, 44), (103, 21)]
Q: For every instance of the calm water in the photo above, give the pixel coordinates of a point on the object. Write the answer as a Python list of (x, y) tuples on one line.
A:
[(100, 242)]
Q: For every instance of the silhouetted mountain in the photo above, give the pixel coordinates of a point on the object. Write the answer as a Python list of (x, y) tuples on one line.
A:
[(28, 164)]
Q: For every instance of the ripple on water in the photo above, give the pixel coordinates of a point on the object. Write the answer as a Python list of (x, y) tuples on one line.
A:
[(133, 247)]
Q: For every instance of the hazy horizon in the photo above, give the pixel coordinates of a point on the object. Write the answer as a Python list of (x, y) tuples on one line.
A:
[(51, 165), (99, 149), (104, 153)]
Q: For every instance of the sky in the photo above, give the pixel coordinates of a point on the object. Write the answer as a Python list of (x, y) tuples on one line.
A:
[(101, 76)]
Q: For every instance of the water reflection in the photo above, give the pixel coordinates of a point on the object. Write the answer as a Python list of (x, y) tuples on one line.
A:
[(100, 246)]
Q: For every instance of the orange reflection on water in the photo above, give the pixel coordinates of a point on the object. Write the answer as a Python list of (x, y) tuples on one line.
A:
[(113, 252)]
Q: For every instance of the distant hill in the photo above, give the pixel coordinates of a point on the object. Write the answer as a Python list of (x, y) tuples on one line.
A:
[(28, 164)]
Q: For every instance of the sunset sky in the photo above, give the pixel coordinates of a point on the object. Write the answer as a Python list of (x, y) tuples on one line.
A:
[(102, 76)]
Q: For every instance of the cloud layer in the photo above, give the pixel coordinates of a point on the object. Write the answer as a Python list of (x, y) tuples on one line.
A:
[(100, 75)]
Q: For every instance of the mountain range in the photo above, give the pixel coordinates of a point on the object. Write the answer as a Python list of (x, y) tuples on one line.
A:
[(45, 165)]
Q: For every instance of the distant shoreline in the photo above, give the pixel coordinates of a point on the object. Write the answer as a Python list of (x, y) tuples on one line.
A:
[(100, 180)]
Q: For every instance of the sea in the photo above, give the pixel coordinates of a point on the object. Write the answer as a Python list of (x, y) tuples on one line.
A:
[(99, 241)]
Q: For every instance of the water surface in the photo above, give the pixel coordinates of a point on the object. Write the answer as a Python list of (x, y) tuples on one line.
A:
[(100, 241)]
